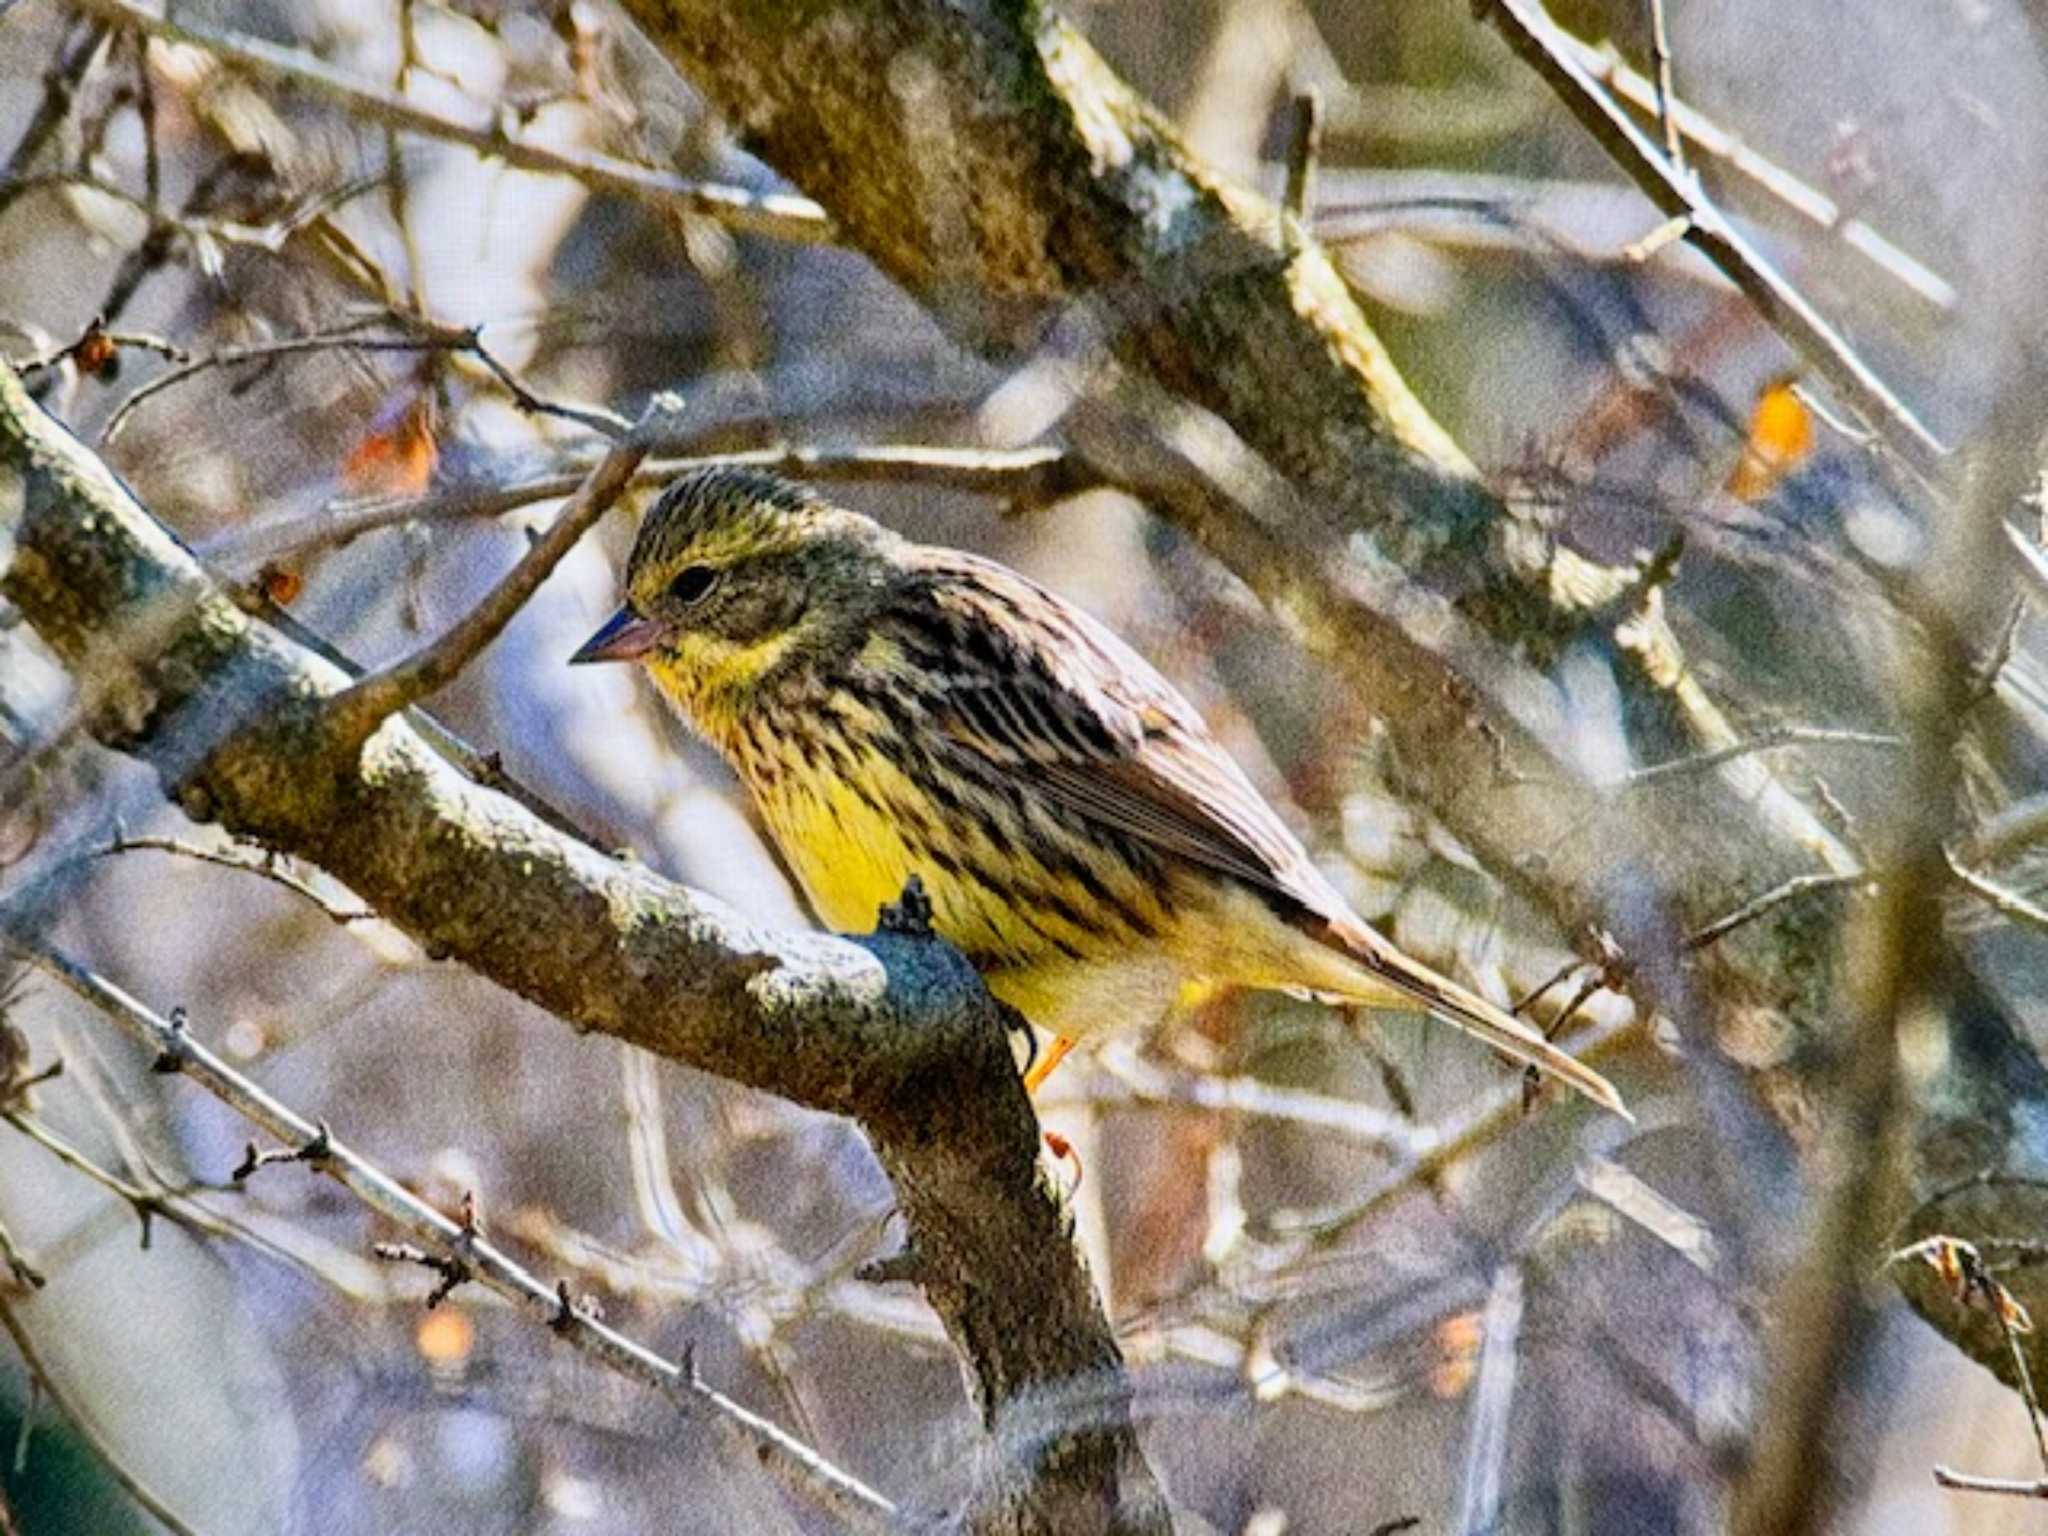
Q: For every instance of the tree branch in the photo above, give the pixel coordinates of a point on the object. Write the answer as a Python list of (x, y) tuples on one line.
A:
[(746, 1435), (893, 1029), (1534, 37), (763, 213)]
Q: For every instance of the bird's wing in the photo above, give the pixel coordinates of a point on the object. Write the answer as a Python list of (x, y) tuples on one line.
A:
[(1035, 684), (1024, 680)]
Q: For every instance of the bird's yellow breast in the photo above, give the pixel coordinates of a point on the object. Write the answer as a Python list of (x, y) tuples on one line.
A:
[(1042, 911)]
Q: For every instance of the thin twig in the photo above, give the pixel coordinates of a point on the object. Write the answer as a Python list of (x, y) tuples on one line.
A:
[(1660, 57), (2002, 899), (418, 336), (1786, 736), (1141, 1082), (357, 711), (2020, 825), (1488, 1432), (1970, 1482), (145, 104), (1810, 203), (1969, 1278), (1770, 900), (606, 423), (2035, 557), (1531, 33), (263, 865), (798, 1465), (1304, 149), (349, 338), (83, 1426), (1450, 1141), (19, 1264), (1026, 477), (1537, 993), (146, 1203), (779, 215), (60, 88), (96, 335)]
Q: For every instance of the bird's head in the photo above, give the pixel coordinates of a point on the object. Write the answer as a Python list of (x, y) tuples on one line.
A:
[(737, 574)]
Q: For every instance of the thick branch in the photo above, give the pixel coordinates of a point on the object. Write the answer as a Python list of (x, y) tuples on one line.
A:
[(894, 1029)]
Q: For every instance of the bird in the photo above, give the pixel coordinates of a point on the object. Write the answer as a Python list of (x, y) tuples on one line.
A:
[(897, 709)]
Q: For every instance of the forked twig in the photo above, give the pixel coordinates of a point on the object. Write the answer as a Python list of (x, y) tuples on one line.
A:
[(1531, 33)]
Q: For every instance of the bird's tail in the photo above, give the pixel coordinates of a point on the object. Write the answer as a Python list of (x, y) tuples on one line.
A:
[(1411, 982)]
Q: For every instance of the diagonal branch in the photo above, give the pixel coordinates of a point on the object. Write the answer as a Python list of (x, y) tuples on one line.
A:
[(894, 1029), (745, 1434), (81, 1424), (1537, 40), (775, 214), (352, 715)]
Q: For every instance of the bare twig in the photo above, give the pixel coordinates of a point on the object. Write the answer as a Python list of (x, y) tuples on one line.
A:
[(2001, 898), (2019, 825), (418, 336), (18, 1262), (1961, 1265), (313, 1153), (1486, 1438), (1629, 1194), (1969, 1482), (60, 88), (1452, 1140), (1807, 201), (83, 1426), (779, 215), (1138, 1081), (87, 349), (1026, 477), (1667, 95), (1768, 901), (353, 337), (796, 1464), (357, 711), (1531, 33), (2035, 557), (606, 423), (1304, 148), (148, 1204), (262, 865)]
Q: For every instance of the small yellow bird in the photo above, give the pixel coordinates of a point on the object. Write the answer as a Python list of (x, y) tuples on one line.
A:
[(897, 709)]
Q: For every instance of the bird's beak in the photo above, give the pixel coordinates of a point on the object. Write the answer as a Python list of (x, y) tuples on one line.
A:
[(625, 636)]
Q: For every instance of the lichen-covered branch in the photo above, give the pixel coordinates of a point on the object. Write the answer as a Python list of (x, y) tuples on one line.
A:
[(893, 1029)]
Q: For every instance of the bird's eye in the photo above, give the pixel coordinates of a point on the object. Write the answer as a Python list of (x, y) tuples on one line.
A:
[(693, 584)]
